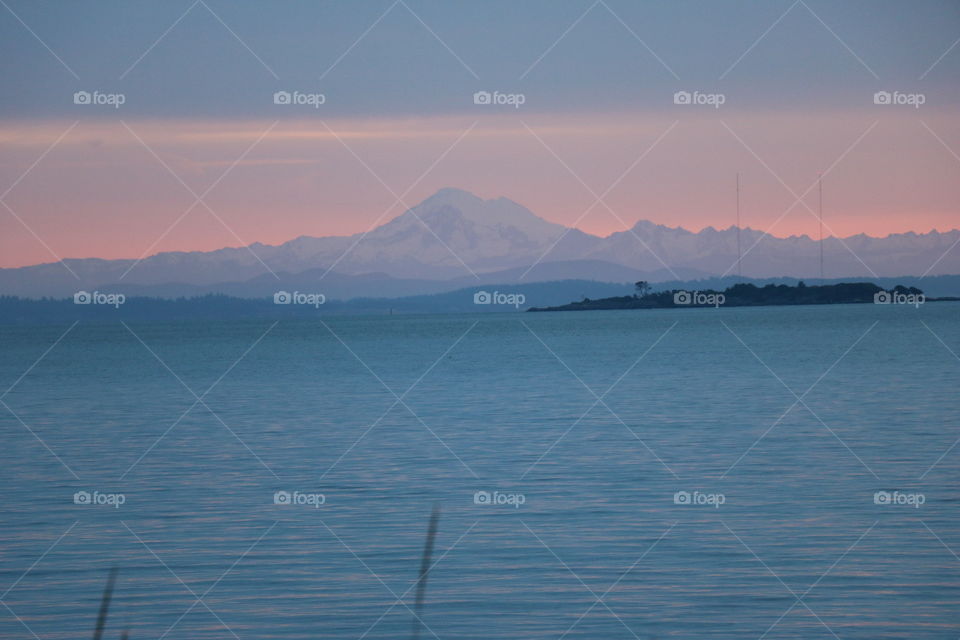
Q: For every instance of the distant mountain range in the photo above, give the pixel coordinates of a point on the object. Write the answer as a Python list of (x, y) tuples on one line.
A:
[(434, 247), (464, 300)]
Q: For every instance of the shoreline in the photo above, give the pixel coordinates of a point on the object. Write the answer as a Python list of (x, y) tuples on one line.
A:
[(749, 295)]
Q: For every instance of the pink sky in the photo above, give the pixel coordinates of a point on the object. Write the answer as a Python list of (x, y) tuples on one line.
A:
[(101, 193)]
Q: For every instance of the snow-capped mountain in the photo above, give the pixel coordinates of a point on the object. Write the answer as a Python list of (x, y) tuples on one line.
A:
[(434, 239), (453, 235)]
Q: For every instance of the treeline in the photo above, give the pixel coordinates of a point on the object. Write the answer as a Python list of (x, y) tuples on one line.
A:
[(740, 295)]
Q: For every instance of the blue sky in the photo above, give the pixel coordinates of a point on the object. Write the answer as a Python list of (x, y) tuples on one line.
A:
[(200, 69)]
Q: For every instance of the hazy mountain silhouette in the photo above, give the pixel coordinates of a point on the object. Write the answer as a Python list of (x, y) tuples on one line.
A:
[(425, 249)]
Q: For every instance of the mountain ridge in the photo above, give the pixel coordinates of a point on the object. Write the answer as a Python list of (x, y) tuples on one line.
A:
[(455, 234)]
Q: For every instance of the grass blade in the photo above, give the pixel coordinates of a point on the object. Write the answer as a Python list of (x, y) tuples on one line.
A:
[(424, 570), (105, 605)]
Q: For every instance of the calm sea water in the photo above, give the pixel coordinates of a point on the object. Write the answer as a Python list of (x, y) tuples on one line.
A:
[(581, 427)]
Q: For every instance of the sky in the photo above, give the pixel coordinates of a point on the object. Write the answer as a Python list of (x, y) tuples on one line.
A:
[(198, 155)]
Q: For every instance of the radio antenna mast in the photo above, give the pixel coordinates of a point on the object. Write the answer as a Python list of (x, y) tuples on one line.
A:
[(739, 255), (820, 190)]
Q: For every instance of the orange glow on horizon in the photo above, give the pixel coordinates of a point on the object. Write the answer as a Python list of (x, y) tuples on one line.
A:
[(101, 191)]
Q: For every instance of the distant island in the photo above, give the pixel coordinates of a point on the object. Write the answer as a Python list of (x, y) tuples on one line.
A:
[(749, 295)]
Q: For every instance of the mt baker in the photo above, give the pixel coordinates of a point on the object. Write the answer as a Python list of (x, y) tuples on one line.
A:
[(454, 238)]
